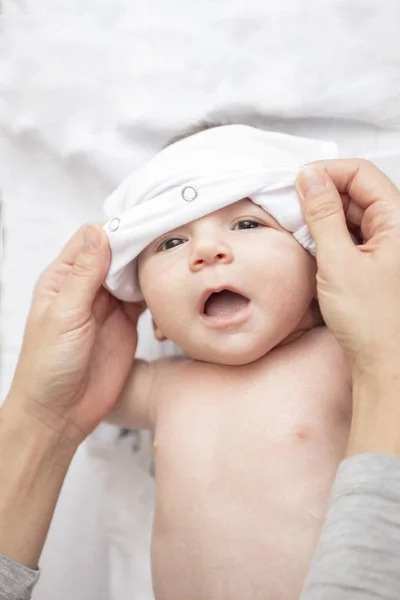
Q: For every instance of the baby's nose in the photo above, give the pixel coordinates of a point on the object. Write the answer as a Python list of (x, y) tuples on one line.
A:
[(210, 254)]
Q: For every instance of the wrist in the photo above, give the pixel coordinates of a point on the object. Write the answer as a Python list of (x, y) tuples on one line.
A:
[(34, 461), (376, 410), (22, 432), (22, 417)]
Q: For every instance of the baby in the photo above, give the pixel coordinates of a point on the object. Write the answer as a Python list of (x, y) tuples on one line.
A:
[(249, 426)]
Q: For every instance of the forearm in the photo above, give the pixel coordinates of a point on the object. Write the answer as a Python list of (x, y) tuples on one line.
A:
[(33, 463), (376, 412), (359, 550)]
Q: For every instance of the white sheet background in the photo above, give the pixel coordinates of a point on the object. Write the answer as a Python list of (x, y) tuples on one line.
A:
[(88, 90)]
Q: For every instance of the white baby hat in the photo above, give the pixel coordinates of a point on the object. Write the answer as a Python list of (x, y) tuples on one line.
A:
[(199, 175)]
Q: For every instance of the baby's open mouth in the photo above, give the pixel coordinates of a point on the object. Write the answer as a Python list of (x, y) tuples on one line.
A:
[(224, 303)]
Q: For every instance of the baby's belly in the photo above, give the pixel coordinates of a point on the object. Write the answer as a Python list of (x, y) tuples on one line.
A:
[(238, 520)]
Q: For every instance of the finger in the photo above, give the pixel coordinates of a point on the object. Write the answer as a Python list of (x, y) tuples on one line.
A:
[(353, 212), (324, 214), (373, 196), (104, 305), (51, 280), (361, 180), (72, 248), (86, 275), (134, 309), (53, 277)]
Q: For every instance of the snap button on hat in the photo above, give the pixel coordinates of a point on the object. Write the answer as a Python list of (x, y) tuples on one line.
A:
[(114, 224), (189, 193)]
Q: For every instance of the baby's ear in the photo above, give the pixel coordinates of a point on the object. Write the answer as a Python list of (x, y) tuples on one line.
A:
[(158, 334)]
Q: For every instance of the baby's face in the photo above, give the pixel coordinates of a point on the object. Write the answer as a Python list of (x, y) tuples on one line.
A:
[(228, 287)]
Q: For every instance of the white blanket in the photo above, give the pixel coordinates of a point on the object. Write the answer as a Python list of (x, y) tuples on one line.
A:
[(108, 80), (89, 89)]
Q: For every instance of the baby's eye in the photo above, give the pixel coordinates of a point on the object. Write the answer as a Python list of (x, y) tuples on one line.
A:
[(247, 224), (170, 243)]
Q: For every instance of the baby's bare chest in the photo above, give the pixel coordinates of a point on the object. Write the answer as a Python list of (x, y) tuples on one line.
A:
[(214, 415), (244, 468)]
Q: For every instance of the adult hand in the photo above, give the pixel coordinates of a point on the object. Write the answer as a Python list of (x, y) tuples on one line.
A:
[(359, 287), (79, 341)]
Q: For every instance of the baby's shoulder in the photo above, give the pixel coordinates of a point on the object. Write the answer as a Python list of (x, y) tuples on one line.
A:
[(325, 345), (170, 366), (321, 338), (168, 370), (183, 376), (318, 352)]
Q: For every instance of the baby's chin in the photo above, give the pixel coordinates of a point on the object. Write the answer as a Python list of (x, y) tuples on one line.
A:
[(229, 356), (236, 349)]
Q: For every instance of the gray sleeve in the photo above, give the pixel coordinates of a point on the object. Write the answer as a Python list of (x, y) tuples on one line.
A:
[(358, 555), (16, 581)]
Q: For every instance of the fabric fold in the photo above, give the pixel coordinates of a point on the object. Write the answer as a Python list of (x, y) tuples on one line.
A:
[(199, 175)]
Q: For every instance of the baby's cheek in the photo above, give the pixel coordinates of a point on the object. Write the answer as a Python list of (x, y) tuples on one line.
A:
[(293, 295), (301, 274), (155, 286), (170, 313)]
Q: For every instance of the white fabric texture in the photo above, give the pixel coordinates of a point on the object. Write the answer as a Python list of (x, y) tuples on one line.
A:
[(89, 90), (218, 166)]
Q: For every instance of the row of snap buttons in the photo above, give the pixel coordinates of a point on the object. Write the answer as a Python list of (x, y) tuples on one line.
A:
[(189, 193)]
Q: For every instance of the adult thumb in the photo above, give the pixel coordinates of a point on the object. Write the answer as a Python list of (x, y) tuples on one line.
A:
[(323, 213), (86, 276)]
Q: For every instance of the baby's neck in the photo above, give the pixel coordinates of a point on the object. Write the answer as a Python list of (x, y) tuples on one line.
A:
[(311, 319)]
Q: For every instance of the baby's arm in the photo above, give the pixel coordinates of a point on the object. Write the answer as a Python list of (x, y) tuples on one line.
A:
[(146, 384), (133, 408)]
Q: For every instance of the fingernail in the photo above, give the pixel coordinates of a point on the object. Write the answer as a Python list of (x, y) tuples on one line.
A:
[(91, 238), (310, 182)]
